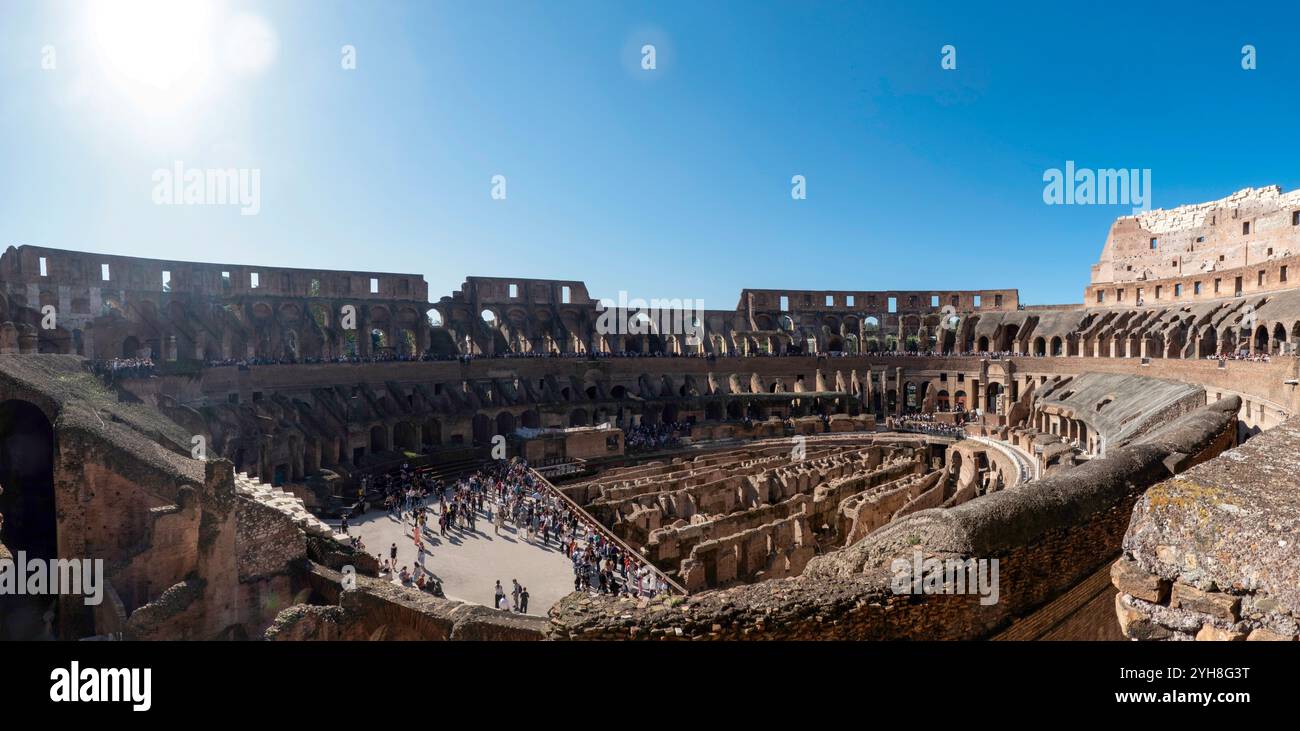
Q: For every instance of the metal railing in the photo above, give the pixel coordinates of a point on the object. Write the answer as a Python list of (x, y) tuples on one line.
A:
[(596, 525)]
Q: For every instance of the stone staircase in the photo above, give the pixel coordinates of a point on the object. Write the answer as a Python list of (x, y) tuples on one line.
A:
[(287, 503)]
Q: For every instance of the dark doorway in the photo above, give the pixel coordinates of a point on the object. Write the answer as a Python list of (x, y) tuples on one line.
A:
[(27, 504)]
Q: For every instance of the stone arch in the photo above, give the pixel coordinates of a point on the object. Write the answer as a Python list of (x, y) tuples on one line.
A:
[(530, 419), (28, 506), (404, 436), (481, 429), (1209, 342), (432, 435), (378, 439), (1008, 340), (1261, 339), (991, 397), (579, 417), (506, 423), (27, 479)]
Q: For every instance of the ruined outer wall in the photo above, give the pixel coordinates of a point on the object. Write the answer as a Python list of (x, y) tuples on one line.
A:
[(1204, 240), (82, 274)]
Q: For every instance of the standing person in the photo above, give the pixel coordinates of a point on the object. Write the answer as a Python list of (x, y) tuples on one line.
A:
[(500, 594), (514, 593), (523, 601), (392, 553)]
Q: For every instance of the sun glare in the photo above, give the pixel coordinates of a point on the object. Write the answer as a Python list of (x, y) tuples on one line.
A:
[(154, 43)]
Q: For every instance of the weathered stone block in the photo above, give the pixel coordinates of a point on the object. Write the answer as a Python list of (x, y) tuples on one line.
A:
[(1261, 634), (1131, 578), (1136, 625), (1210, 633), (1213, 603)]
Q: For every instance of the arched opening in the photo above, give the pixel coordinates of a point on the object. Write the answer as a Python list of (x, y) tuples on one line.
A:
[(713, 411), (432, 436), (991, 400), (670, 413), (378, 439), (28, 506), (505, 423), (983, 345), (1209, 344), (1040, 347), (130, 347), (404, 436), (530, 419), (481, 428), (578, 417), (1056, 347), (1009, 334)]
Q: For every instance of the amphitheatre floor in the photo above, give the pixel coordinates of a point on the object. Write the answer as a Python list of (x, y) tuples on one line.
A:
[(469, 563)]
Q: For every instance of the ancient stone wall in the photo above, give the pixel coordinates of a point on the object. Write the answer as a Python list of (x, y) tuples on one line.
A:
[(1046, 540), (1211, 554), (1252, 230)]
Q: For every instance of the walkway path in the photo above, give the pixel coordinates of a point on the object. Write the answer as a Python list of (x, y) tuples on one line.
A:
[(469, 563)]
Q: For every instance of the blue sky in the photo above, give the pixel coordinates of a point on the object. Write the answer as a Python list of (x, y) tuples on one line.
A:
[(666, 183)]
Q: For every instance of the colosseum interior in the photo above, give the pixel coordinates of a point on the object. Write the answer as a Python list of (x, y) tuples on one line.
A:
[(1128, 460)]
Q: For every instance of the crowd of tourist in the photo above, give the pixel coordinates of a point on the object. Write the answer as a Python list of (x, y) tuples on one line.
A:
[(654, 437), (925, 423), (1240, 355), (121, 368), (382, 357), (505, 493), (133, 368)]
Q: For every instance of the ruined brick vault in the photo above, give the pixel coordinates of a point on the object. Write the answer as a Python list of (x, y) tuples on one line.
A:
[(1130, 468)]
